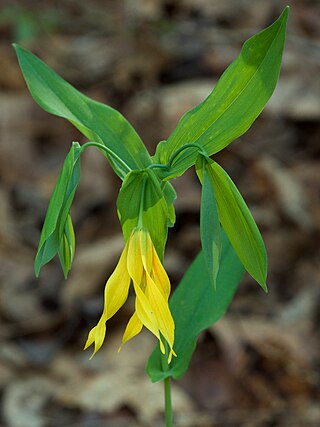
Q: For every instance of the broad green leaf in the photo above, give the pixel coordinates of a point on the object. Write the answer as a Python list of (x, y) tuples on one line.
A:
[(238, 98), (141, 194), (67, 247), (239, 224), (97, 121), (195, 306), (210, 231), (56, 220)]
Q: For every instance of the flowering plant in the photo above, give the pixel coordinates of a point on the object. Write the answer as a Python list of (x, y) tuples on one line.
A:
[(231, 241)]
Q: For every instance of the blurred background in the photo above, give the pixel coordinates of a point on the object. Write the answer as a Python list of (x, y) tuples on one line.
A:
[(153, 60)]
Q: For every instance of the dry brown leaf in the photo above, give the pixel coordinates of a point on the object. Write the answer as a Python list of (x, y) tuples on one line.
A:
[(118, 380), (290, 195), (24, 401)]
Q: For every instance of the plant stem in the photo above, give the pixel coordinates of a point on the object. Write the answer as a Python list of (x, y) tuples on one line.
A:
[(182, 148), (167, 401), (108, 151), (176, 154)]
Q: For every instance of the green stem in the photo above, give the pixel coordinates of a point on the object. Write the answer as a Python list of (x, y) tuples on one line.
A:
[(167, 401), (108, 151), (184, 147), (158, 166), (175, 154)]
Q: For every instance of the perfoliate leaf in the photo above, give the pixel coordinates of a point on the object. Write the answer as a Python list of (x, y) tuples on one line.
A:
[(98, 122), (238, 98), (239, 224), (141, 195), (195, 305), (56, 226), (210, 230)]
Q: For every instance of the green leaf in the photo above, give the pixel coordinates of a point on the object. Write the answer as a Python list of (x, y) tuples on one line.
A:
[(210, 230), (141, 194), (67, 247), (170, 196), (238, 98), (56, 223), (195, 306), (97, 121), (239, 224)]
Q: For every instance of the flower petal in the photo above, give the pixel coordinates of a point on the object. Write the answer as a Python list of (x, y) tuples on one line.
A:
[(133, 328), (96, 336), (146, 247), (162, 312), (115, 294), (117, 287), (160, 276), (134, 262), (145, 313)]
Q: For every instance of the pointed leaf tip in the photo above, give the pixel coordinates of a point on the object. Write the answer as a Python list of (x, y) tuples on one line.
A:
[(57, 235), (284, 15), (236, 101), (97, 121), (239, 225), (210, 231), (286, 10), (36, 272)]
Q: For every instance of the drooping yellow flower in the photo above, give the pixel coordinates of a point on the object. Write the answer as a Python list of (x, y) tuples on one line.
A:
[(139, 263)]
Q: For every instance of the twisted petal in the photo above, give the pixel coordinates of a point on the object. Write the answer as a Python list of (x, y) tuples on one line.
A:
[(135, 267), (96, 336), (134, 261), (146, 314), (146, 251), (115, 295), (159, 275), (160, 307), (133, 328), (139, 261), (152, 290), (117, 287)]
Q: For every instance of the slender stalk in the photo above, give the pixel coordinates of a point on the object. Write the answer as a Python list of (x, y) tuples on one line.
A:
[(176, 154), (108, 151), (167, 401), (182, 148)]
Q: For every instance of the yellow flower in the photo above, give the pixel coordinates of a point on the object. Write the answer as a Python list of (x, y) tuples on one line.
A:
[(140, 263)]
